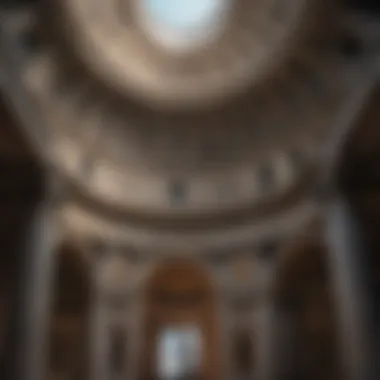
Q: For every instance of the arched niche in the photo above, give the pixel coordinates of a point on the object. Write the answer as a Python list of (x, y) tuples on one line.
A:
[(180, 306)]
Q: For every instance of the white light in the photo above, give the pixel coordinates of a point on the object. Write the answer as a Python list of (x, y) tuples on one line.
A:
[(182, 14), (183, 23), (179, 352)]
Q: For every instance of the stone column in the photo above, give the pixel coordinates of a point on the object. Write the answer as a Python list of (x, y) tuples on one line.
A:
[(245, 322), (265, 342), (266, 324), (108, 277), (136, 317), (226, 323), (347, 267), (220, 277), (115, 305), (98, 334), (27, 352), (286, 346), (135, 334)]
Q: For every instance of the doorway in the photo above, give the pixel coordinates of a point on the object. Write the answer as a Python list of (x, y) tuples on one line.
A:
[(181, 329)]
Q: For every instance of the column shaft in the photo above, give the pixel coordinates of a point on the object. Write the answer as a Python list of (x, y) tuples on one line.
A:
[(347, 253)]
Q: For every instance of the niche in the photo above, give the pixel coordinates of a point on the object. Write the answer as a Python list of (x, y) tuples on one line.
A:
[(181, 330)]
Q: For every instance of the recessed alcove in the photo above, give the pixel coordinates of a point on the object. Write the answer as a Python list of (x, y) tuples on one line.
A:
[(180, 313)]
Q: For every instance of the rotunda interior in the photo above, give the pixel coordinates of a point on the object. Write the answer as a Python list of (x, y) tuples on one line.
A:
[(189, 190)]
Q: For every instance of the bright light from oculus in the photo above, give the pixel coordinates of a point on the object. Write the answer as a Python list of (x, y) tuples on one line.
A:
[(183, 24)]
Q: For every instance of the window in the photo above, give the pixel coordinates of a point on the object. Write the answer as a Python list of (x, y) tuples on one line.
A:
[(179, 352)]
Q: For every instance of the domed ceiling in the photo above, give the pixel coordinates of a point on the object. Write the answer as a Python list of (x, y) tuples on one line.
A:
[(186, 110)]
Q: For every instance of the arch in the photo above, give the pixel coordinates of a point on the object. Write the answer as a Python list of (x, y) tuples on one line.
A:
[(179, 296)]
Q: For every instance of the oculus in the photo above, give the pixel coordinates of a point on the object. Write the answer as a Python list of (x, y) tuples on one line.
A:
[(180, 25)]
